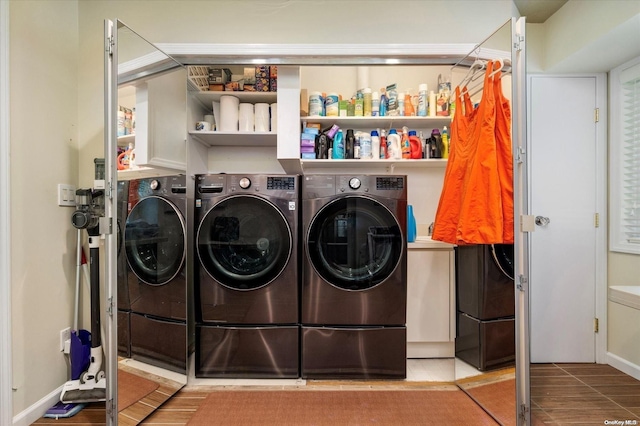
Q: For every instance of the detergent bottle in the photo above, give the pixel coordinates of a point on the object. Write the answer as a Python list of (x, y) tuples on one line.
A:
[(375, 145), (338, 146), (405, 144), (416, 145), (394, 151)]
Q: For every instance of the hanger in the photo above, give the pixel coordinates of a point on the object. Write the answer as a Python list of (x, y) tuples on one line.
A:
[(473, 73)]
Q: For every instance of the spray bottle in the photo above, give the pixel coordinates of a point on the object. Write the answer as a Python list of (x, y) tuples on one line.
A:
[(383, 145)]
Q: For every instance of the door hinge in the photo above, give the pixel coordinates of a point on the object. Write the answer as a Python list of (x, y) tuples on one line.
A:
[(520, 155), (523, 411), (522, 282), (596, 220), (109, 408), (597, 115), (596, 325), (110, 44), (518, 43), (110, 306)]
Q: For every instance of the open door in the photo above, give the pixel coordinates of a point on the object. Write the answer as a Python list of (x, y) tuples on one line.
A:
[(140, 79)]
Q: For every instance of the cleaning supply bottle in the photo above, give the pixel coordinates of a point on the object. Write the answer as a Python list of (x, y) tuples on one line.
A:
[(338, 146), (416, 145), (383, 145), (409, 110), (411, 225), (349, 144), (375, 104), (384, 102), (401, 103), (435, 144), (445, 142), (423, 100), (405, 144), (394, 151), (367, 97), (375, 145), (365, 145)]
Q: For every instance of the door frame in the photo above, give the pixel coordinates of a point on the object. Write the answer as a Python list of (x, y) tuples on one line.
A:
[(6, 408), (601, 179)]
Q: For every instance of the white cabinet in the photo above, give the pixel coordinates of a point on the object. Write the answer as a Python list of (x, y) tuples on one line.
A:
[(160, 128), (292, 80), (430, 300)]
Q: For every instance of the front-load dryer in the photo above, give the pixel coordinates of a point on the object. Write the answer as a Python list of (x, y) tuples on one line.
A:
[(354, 285), (155, 247), (247, 275)]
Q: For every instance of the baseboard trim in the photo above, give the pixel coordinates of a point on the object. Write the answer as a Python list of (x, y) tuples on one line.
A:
[(623, 365), (37, 410)]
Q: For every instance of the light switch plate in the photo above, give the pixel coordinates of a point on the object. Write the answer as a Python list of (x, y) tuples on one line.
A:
[(66, 195)]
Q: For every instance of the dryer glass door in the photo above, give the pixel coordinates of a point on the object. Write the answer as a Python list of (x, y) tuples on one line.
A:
[(355, 243), (155, 240), (244, 242)]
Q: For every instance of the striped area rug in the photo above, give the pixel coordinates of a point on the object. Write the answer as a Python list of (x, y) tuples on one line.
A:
[(339, 407)]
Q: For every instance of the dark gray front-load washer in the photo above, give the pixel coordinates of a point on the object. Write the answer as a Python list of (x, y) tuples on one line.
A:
[(155, 246), (247, 286), (354, 285)]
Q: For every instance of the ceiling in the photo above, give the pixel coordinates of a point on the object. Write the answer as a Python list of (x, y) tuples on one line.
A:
[(538, 11)]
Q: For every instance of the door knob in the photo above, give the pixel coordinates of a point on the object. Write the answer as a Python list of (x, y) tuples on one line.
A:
[(542, 221)]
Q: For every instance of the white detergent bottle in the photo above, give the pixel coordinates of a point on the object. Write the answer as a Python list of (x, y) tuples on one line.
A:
[(394, 150), (375, 145)]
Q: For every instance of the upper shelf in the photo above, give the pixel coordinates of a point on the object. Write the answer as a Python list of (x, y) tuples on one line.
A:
[(381, 122), (216, 138), (206, 97)]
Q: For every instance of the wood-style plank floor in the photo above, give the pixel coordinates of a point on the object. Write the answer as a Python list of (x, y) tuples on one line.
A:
[(561, 394)]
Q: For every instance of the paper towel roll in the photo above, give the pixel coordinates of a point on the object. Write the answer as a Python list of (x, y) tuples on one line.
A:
[(262, 118), (274, 117), (246, 117), (229, 113), (216, 115)]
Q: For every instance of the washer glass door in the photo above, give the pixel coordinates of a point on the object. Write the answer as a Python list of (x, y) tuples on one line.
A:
[(354, 243), (155, 240), (244, 242)]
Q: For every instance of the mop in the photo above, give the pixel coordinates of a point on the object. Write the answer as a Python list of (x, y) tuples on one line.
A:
[(76, 355)]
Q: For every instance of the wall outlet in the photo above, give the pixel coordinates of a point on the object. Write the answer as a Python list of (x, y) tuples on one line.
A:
[(66, 195), (65, 334)]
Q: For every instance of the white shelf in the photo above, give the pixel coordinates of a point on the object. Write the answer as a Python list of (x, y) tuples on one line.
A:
[(357, 164), (385, 122), (145, 172), (235, 138), (126, 140), (206, 97)]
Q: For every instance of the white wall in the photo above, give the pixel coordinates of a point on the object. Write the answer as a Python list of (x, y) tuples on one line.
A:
[(44, 152)]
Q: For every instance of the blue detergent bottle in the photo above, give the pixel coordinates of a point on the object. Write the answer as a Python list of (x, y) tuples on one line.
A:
[(411, 225)]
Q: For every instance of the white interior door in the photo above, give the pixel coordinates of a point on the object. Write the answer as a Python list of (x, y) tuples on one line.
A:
[(563, 146)]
